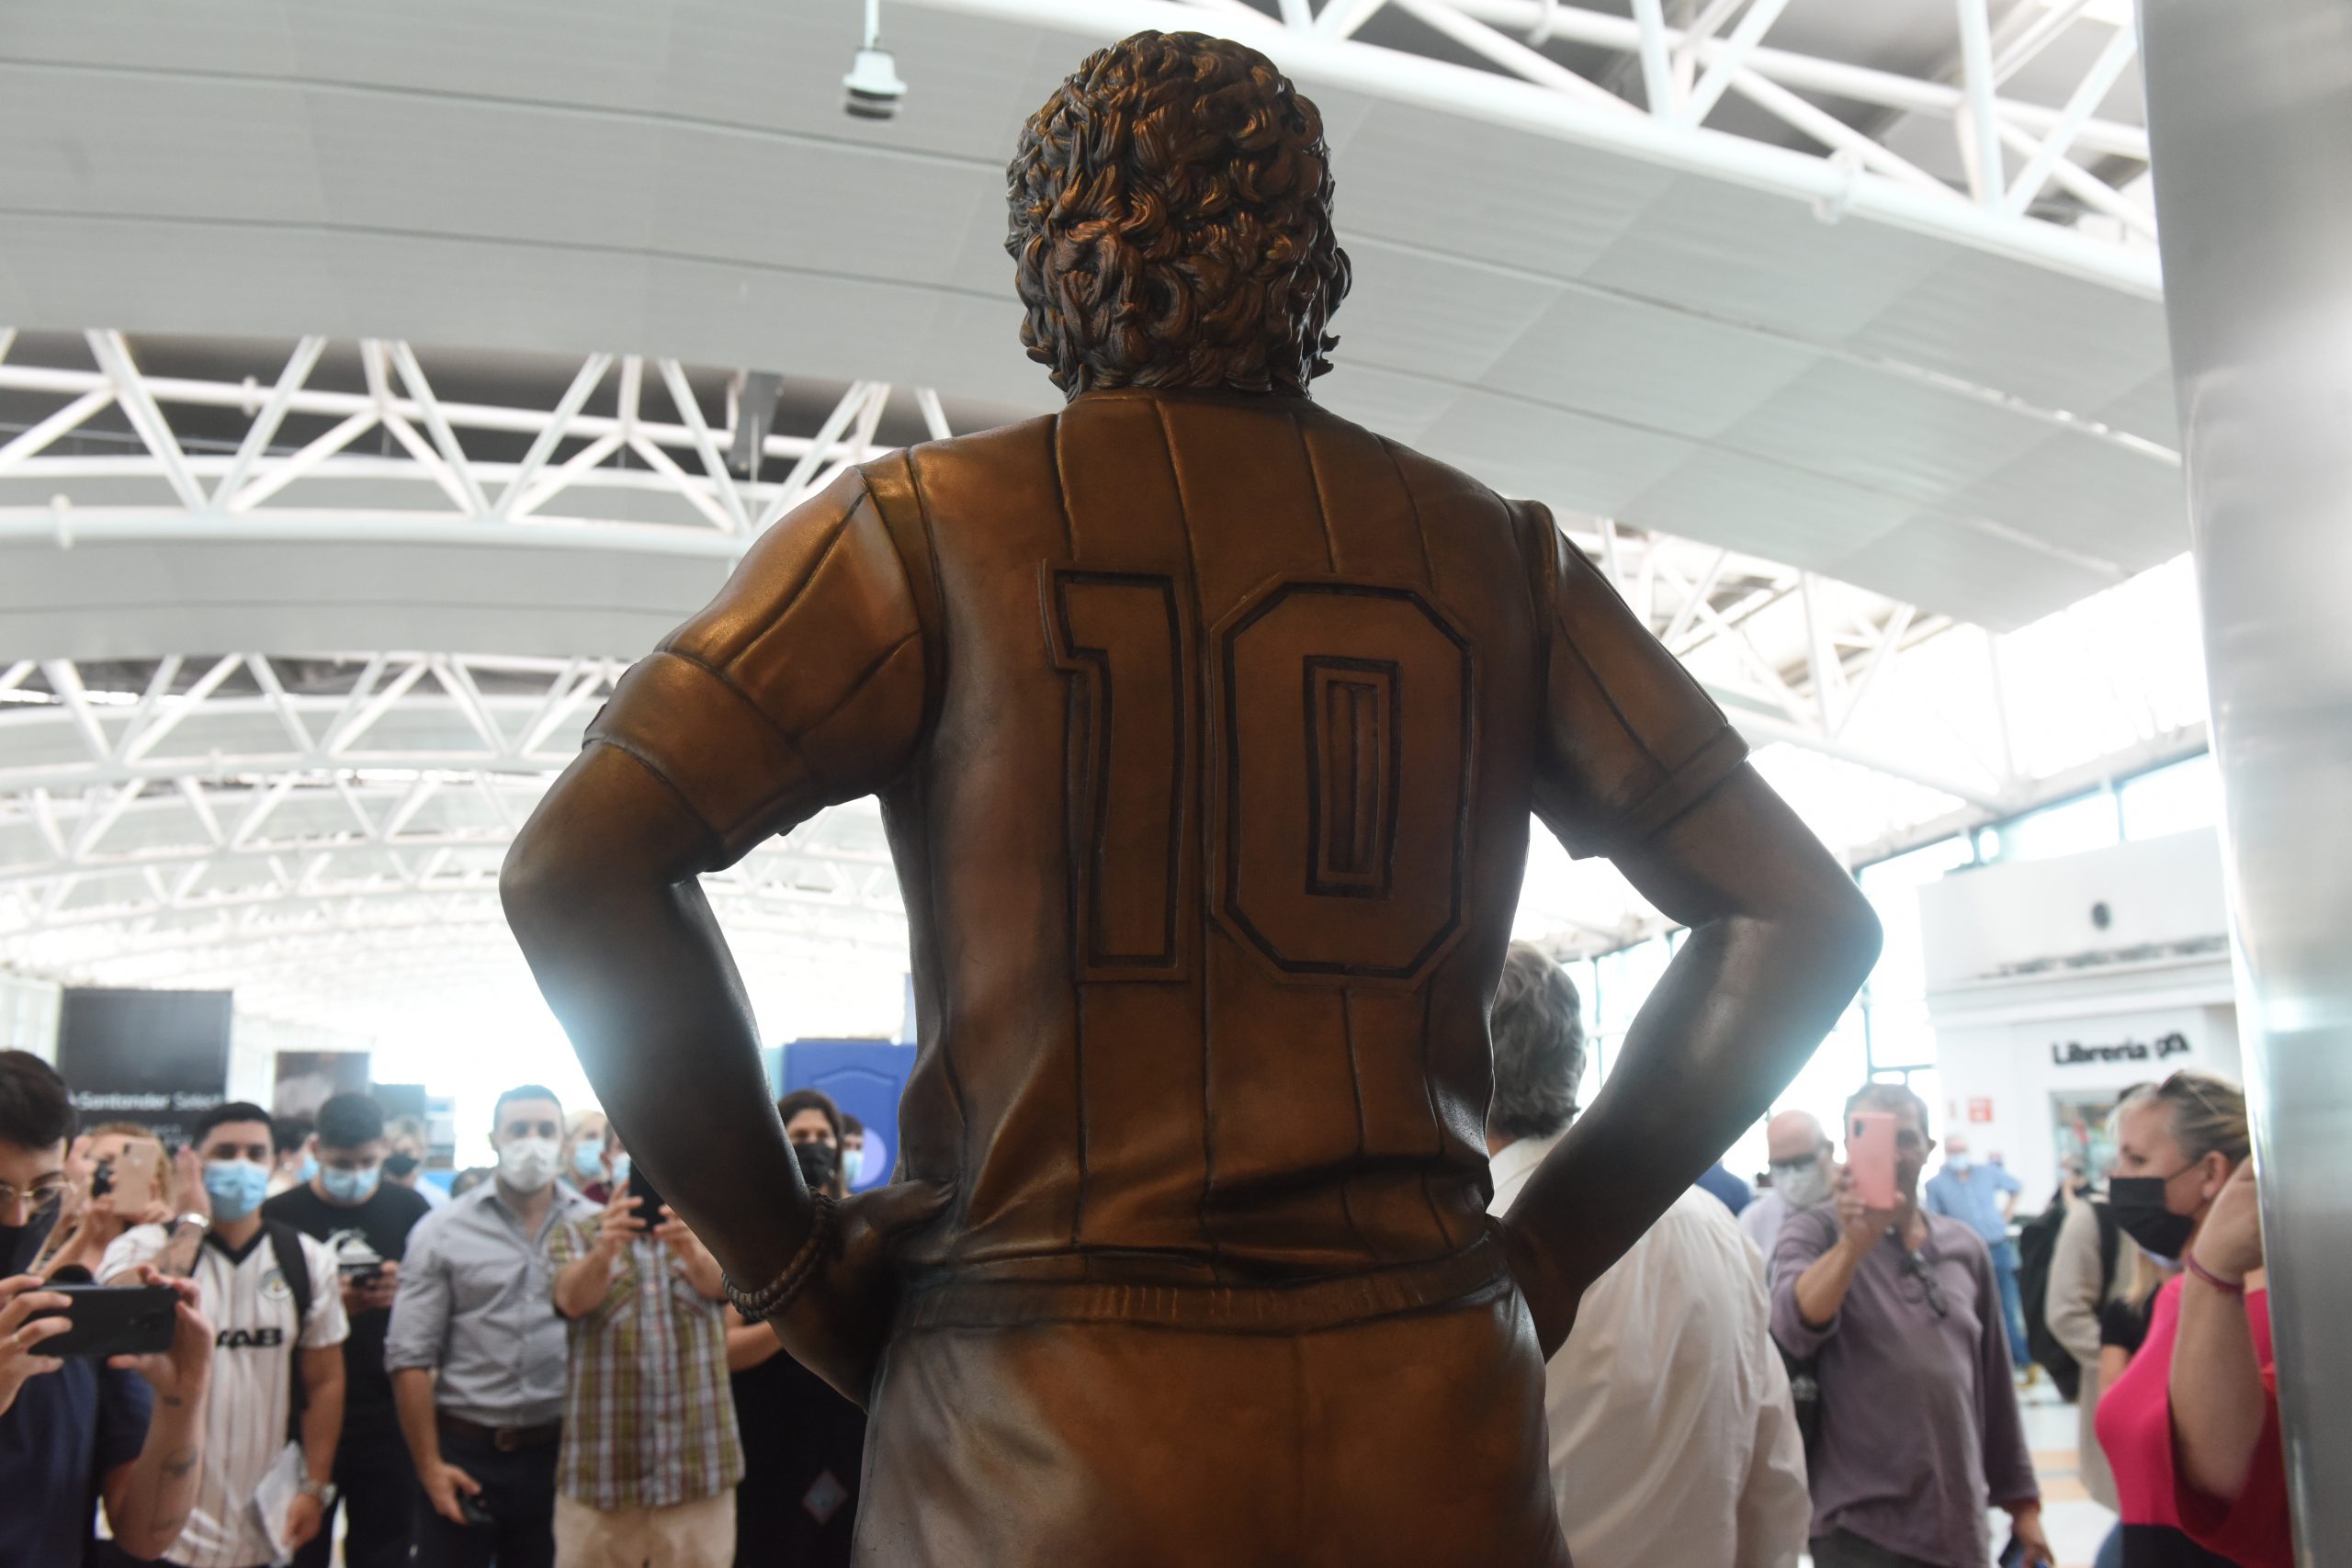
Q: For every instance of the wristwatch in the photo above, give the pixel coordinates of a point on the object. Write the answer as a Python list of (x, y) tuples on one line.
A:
[(201, 1222), (322, 1493)]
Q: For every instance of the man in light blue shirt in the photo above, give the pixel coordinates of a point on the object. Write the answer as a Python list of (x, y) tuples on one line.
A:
[(1981, 1197)]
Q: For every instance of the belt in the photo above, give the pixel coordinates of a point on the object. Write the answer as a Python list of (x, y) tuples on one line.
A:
[(505, 1440), (968, 1299)]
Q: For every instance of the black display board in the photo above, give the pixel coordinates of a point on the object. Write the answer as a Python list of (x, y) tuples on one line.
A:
[(160, 1058)]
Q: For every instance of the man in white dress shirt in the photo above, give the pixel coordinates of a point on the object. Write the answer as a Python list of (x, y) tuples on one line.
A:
[(1673, 1439)]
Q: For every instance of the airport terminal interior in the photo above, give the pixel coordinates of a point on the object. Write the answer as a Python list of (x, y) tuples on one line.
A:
[(381, 382)]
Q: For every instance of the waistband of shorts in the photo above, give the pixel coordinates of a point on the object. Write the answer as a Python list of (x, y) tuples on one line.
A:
[(971, 1298)]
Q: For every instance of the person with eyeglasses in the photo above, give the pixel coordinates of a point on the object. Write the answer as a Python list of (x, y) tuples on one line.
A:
[(1901, 1311), (76, 1433)]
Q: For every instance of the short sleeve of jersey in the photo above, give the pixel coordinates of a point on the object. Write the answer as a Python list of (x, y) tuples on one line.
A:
[(800, 685), (327, 1323), (126, 1405), (1630, 741)]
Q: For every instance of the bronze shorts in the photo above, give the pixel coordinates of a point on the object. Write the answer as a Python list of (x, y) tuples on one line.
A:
[(1085, 1439)]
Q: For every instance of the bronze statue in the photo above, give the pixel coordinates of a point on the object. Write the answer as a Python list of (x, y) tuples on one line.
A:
[(1207, 727)]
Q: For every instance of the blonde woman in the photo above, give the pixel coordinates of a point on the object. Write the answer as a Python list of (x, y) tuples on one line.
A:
[(2178, 1145), (95, 1219)]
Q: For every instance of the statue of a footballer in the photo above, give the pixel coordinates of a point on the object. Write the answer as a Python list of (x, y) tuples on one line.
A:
[(1208, 727)]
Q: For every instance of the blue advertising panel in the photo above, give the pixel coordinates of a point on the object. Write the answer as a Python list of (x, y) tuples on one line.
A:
[(864, 1078)]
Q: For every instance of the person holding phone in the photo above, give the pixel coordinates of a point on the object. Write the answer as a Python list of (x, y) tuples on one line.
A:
[(364, 1221), (120, 1179), (651, 1454), (127, 1431), (279, 1379), (1901, 1311)]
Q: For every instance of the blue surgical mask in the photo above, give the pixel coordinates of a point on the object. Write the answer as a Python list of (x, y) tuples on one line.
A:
[(236, 1187), (852, 1164), (620, 1171), (588, 1157), (310, 1167), (1959, 1165), (350, 1185)]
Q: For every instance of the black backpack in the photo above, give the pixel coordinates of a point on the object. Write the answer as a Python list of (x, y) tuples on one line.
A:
[(2037, 1245), (285, 1242)]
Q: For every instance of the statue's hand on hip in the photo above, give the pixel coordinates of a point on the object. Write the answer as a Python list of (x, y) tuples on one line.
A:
[(836, 1326)]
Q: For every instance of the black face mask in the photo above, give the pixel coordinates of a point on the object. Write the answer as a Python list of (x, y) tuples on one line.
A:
[(817, 1164), (2138, 1205), (399, 1165), (19, 1245)]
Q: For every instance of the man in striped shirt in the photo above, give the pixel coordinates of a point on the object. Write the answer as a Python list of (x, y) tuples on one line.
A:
[(651, 1454), (280, 1327)]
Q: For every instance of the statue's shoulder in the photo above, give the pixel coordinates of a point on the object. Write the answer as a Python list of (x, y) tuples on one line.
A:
[(1023, 443), (1434, 481)]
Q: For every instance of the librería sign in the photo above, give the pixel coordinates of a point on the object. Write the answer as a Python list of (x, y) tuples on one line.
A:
[(2074, 1053)]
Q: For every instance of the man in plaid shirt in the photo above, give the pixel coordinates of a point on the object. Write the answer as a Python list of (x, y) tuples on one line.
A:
[(650, 1457)]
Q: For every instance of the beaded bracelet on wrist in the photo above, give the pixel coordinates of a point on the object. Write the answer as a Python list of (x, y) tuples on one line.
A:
[(775, 1295)]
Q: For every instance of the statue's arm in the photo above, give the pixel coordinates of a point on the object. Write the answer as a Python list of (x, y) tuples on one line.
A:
[(1780, 940), (1635, 762), (802, 683)]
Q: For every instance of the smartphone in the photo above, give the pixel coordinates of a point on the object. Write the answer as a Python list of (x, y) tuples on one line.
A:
[(114, 1320), (1869, 1155), (649, 1202), (135, 1174), (361, 1274), (477, 1512)]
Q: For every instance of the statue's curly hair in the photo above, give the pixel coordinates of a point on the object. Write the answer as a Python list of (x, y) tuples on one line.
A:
[(1171, 222)]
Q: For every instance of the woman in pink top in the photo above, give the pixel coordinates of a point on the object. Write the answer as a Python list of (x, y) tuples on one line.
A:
[(2180, 1146)]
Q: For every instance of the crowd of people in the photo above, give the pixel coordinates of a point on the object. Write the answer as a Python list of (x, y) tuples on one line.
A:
[(539, 1369), (542, 1369)]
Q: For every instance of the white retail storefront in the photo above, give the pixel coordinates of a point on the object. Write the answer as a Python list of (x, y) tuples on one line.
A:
[(2055, 985)]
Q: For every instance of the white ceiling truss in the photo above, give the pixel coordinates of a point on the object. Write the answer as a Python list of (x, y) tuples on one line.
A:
[(577, 468), (1653, 82), (294, 825)]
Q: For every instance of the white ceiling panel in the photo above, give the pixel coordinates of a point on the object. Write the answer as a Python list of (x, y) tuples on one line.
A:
[(2059, 343), (1433, 180), (1648, 363), (1853, 422), (1977, 575), (1570, 461), (1765, 508), (484, 170), (90, 141), (1398, 404), (1410, 309), (1758, 258)]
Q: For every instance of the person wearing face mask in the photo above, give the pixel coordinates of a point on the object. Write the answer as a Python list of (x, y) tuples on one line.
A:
[(1803, 1163), (404, 1163), (476, 1351), (588, 1150), (1920, 1431), (365, 1222), (852, 1151), (802, 1442), (1982, 1197), (2200, 1481), (277, 1375), (295, 1161), (77, 1433)]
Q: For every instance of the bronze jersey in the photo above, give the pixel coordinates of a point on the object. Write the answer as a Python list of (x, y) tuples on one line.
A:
[(1207, 728)]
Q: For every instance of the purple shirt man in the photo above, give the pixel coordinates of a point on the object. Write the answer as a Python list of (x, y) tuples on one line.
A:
[(1919, 1424)]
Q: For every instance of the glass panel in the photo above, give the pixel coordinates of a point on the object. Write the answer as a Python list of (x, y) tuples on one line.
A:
[(2172, 800), (2086, 822)]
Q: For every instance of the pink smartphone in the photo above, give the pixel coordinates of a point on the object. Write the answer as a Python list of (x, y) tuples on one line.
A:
[(1869, 1155)]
